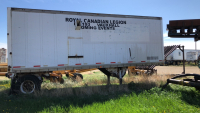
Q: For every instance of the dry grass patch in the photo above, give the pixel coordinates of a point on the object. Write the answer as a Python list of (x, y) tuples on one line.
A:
[(148, 79), (98, 85)]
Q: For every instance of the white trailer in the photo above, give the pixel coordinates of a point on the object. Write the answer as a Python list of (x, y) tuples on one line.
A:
[(42, 41), (176, 57)]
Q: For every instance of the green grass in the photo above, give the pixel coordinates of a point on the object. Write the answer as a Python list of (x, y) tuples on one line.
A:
[(131, 97), (153, 100), (4, 85)]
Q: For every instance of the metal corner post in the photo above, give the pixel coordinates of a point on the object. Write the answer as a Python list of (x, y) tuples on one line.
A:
[(183, 60)]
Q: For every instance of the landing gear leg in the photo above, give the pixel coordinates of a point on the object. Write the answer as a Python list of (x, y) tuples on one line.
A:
[(120, 76), (12, 86), (120, 81), (117, 72), (108, 82)]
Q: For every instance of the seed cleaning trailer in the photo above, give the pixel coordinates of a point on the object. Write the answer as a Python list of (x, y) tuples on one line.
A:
[(185, 29), (42, 41)]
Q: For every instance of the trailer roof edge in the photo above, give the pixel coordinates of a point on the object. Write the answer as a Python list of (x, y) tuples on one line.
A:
[(83, 13)]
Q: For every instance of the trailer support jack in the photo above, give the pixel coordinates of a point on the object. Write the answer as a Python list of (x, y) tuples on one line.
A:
[(108, 82), (118, 72)]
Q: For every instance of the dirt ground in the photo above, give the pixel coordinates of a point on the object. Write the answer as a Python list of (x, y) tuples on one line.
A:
[(177, 69)]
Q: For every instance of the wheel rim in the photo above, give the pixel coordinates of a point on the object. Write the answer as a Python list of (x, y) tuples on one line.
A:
[(27, 87)]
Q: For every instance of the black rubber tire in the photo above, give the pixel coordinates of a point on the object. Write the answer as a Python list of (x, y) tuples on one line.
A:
[(80, 75), (67, 75), (77, 75), (17, 84), (62, 81)]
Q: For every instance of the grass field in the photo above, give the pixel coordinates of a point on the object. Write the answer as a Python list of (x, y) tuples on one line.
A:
[(137, 94)]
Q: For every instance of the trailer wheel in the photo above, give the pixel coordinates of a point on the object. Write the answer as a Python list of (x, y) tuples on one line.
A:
[(77, 77), (28, 84)]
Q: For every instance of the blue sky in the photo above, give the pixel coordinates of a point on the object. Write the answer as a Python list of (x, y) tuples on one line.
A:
[(167, 9)]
